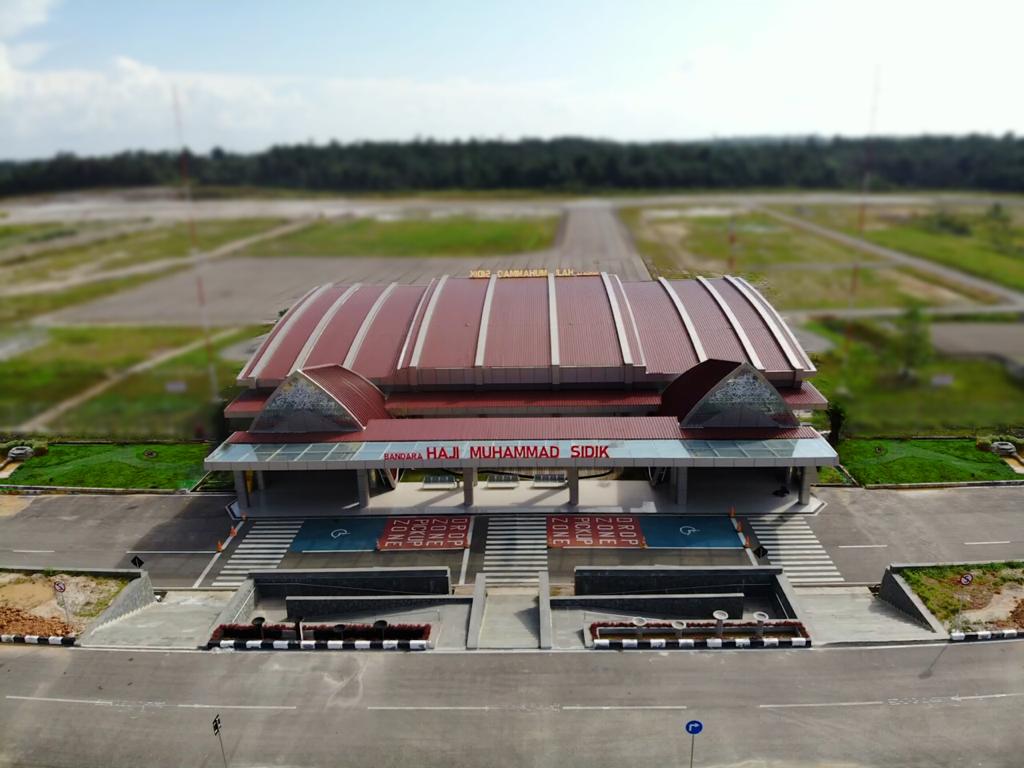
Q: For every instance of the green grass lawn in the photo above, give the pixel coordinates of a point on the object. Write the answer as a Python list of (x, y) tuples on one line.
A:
[(684, 246), (969, 254), (455, 236), (172, 241), (901, 230), (921, 461), (982, 397), (15, 235), (943, 594), (832, 476), (831, 289), (74, 359), (172, 467), (171, 400)]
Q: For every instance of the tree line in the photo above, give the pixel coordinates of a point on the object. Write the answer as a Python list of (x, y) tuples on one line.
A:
[(924, 162)]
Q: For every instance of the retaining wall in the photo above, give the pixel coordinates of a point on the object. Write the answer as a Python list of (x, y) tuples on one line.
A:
[(897, 593), (675, 606), (311, 608), (341, 582), (675, 580)]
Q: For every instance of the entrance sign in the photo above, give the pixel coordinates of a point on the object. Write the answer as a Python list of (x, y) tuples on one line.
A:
[(601, 531), (493, 451), (694, 727), (425, 533)]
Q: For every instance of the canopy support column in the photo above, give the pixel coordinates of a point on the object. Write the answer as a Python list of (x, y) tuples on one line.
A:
[(241, 489), (573, 476), (363, 481), (261, 480), (807, 476), (468, 484), (680, 482)]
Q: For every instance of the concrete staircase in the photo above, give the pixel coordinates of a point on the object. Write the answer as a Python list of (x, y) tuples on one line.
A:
[(515, 549)]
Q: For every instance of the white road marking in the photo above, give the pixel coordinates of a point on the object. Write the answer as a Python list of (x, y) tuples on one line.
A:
[(863, 546), (165, 551), (439, 708), (235, 706), (34, 551), (209, 565), (112, 703), (896, 702), (979, 543), (823, 704), (571, 708)]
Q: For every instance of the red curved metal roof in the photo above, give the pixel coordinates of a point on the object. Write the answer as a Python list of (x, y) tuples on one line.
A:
[(602, 332), (362, 399)]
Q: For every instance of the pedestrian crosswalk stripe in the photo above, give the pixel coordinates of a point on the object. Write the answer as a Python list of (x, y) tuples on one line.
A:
[(261, 548), (792, 544)]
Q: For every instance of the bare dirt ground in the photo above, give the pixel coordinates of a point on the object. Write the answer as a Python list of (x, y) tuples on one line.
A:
[(1005, 609), (29, 604)]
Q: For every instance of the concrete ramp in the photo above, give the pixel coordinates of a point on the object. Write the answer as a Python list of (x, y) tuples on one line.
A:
[(852, 615), (181, 620), (511, 618)]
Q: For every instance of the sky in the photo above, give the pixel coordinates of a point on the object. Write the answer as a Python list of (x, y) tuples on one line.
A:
[(100, 76)]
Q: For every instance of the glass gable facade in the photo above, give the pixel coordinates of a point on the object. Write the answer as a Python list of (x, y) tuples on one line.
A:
[(743, 399), (299, 406)]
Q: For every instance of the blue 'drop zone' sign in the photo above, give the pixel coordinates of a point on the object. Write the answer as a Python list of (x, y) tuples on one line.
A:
[(349, 534), (689, 532), (694, 727)]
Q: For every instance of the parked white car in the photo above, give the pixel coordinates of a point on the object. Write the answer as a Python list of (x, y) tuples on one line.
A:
[(1004, 448), (19, 452)]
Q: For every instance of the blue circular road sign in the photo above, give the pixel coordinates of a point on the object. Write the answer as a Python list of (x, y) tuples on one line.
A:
[(694, 727)]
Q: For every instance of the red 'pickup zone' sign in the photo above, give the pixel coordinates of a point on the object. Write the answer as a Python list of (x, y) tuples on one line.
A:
[(425, 533), (610, 531)]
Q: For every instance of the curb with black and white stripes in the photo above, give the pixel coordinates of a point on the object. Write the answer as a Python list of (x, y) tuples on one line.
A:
[(322, 645), (39, 639), (627, 644), (984, 634)]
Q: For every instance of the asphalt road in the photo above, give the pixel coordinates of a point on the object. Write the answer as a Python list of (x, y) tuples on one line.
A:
[(176, 536), (864, 531), (914, 706), (244, 289)]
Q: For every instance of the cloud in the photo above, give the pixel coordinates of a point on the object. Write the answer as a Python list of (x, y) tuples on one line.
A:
[(810, 70), (16, 16)]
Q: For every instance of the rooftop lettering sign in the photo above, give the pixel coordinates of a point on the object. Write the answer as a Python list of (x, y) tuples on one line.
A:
[(541, 272)]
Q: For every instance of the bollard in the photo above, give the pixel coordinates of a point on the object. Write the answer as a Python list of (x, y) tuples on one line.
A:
[(720, 617), (739, 526), (760, 617), (233, 531), (220, 545), (639, 622), (746, 541), (678, 627), (732, 511), (258, 621)]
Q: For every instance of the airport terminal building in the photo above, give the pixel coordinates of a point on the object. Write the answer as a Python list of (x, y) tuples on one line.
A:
[(527, 375)]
